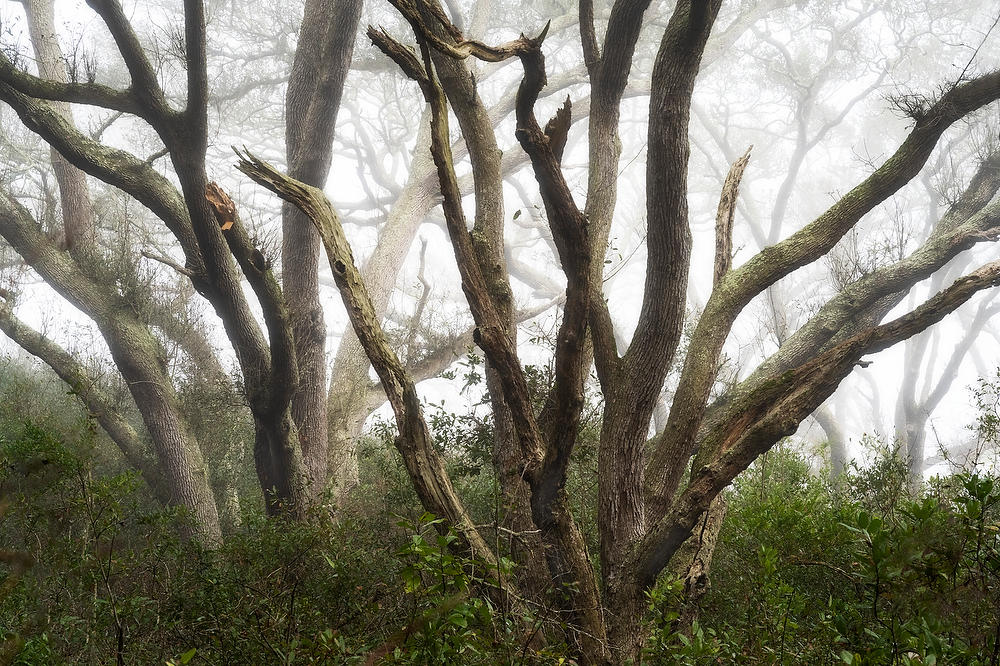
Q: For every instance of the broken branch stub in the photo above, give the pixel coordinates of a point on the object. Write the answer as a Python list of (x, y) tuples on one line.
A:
[(222, 206)]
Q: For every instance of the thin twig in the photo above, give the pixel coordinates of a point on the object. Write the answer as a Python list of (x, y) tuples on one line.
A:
[(183, 270)]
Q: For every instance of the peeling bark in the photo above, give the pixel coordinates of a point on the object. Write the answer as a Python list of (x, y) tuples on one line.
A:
[(693, 562)]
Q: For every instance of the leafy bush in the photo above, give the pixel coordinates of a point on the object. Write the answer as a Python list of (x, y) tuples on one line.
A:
[(804, 573), (112, 580), (861, 574)]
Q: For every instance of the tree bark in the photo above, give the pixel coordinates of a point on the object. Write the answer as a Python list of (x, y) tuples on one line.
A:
[(545, 460), (777, 408), (415, 444), (630, 402), (99, 405), (835, 440), (315, 86), (773, 263), (139, 358), (347, 406), (459, 85), (74, 194), (693, 562), (189, 216)]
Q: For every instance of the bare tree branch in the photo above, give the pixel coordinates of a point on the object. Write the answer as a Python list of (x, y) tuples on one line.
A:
[(93, 94), (803, 247), (424, 463), (725, 216), (145, 88), (776, 410)]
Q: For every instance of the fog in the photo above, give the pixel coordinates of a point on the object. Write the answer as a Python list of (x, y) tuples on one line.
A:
[(819, 90), (611, 253)]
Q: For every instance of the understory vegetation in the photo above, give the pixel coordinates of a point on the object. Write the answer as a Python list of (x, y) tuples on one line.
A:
[(805, 572)]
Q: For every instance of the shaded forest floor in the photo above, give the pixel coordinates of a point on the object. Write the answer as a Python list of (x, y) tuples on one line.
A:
[(805, 572)]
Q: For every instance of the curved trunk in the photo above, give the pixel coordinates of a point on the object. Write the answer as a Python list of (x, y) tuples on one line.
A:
[(134, 349), (98, 404), (526, 546), (349, 381), (139, 358)]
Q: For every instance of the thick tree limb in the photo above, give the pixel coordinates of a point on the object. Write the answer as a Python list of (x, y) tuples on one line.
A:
[(971, 220), (544, 461), (622, 34), (803, 247), (283, 372), (115, 167), (312, 103), (422, 460), (93, 94), (491, 333), (776, 410), (145, 87), (567, 222), (100, 406), (136, 353), (196, 111), (588, 36), (608, 78), (630, 401), (488, 166), (74, 193)]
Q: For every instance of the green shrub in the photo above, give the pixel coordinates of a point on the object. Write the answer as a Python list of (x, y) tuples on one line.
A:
[(861, 574)]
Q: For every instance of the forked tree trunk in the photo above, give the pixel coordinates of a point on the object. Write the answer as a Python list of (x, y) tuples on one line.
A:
[(459, 84), (134, 349)]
